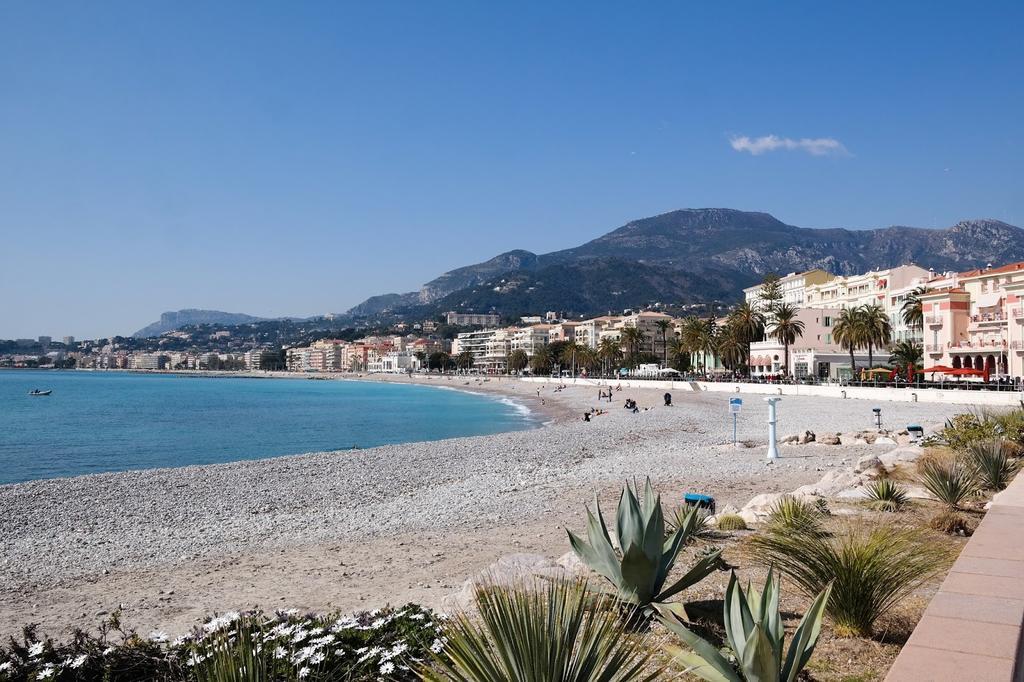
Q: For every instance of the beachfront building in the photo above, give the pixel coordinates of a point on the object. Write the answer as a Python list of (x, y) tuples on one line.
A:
[(588, 332), (148, 361), (978, 323), (530, 338), (815, 352), (647, 323), (471, 319), (563, 331), (793, 286)]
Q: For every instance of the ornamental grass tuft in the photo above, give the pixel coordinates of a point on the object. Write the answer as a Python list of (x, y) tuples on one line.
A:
[(553, 631), (887, 496), (870, 570), (992, 463), (951, 482)]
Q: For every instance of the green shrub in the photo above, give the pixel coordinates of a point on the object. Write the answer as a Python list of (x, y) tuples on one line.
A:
[(731, 522), (884, 495), (964, 429), (992, 464), (951, 483), (870, 571), (795, 513), (1011, 425), (552, 631), (639, 567), (753, 629)]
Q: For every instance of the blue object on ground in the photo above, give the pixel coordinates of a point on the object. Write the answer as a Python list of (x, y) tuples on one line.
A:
[(702, 501)]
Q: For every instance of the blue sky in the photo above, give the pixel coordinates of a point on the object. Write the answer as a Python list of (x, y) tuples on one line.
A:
[(294, 158)]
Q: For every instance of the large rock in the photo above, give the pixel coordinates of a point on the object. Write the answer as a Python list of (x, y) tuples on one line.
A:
[(867, 463), (885, 440), (829, 439), (831, 484), (759, 507), (790, 438), (513, 569), (900, 456)]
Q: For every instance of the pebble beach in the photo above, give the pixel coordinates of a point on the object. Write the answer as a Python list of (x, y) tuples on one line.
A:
[(359, 529)]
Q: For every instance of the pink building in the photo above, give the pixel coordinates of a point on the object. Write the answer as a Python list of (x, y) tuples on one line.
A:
[(979, 323)]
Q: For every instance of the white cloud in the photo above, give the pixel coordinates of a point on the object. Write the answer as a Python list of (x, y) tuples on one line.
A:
[(816, 146)]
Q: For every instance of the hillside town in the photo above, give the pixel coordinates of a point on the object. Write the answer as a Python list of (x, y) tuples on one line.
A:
[(811, 325)]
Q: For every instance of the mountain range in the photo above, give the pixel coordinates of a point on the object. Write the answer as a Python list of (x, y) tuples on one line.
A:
[(690, 255), (684, 256), (176, 319)]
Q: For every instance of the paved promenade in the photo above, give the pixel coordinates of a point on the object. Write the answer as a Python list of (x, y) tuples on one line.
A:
[(971, 630)]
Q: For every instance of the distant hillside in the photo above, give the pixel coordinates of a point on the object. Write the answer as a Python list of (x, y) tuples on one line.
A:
[(172, 320), (690, 255)]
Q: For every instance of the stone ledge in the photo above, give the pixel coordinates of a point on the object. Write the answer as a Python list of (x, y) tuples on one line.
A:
[(972, 628)]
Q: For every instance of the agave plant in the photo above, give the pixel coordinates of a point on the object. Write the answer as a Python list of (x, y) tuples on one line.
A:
[(680, 516), (951, 483), (884, 495), (870, 571), (754, 632), (991, 463), (638, 568), (551, 632), (795, 513)]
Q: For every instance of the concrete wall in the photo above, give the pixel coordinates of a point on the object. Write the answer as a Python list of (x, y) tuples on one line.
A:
[(925, 395)]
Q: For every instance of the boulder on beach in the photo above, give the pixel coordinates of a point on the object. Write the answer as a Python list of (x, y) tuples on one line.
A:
[(513, 569)]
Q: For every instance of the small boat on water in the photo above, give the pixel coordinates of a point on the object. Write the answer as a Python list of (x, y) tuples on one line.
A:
[(36, 391)]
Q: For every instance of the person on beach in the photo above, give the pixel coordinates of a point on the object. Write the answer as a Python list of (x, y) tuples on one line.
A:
[(586, 416), (668, 400)]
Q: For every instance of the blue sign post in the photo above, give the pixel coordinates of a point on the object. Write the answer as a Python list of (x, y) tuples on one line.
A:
[(734, 409)]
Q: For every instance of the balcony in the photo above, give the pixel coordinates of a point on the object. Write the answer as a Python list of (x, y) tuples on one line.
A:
[(987, 320), (979, 344), (1018, 314), (935, 350), (934, 320)]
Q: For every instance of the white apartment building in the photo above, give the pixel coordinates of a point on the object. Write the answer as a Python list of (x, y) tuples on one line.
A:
[(467, 319), (588, 332), (793, 286)]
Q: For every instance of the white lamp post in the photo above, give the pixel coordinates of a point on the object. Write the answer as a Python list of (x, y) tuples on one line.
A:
[(773, 446)]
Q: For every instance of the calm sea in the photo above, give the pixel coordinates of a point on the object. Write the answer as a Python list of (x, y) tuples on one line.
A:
[(97, 421)]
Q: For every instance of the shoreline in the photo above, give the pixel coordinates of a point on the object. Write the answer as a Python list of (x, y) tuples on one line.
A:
[(358, 529)]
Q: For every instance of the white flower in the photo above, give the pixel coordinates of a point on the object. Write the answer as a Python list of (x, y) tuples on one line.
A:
[(178, 642), (279, 652), (303, 672), (374, 613), (291, 612), (387, 668), (317, 658), (79, 661), (417, 616), (157, 636), (5, 666), (399, 648), (372, 653), (437, 646), (379, 623), (35, 650), (46, 672), (109, 650)]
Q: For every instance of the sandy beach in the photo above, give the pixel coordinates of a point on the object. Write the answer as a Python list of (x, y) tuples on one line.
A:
[(358, 529)]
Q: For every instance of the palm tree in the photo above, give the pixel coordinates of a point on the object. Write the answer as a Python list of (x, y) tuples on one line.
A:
[(664, 326), (732, 346), (709, 341), (905, 353), (749, 323), (877, 328), (786, 329), (692, 333), (541, 361), (632, 338), (586, 357), (464, 360), (610, 353), (680, 353), (913, 310), (848, 333), (518, 360)]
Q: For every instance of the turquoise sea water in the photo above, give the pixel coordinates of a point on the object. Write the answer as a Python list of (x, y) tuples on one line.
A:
[(111, 421)]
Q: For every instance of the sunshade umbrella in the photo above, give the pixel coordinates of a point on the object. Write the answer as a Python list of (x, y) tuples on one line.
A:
[(910, 371), (878, 370), (942, 369), (988, 368), (966, 372)]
